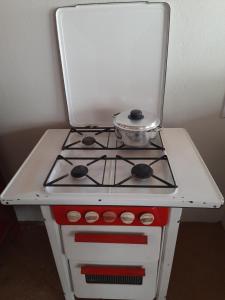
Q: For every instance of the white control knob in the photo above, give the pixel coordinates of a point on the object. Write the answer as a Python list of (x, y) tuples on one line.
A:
[(127, 217), (109, 216), (147, 218), (91, 216), (73, 216)]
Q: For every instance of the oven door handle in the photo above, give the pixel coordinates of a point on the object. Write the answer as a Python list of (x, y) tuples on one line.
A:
[(111, 238), (113, 271)]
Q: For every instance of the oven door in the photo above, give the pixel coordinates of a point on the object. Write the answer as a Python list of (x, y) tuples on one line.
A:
[(117, 244), (133, 281)]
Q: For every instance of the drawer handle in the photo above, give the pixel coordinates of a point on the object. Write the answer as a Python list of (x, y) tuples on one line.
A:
[(110, 238), (113, 271)]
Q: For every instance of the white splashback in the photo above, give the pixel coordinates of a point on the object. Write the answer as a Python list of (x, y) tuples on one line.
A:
[(113, 59)]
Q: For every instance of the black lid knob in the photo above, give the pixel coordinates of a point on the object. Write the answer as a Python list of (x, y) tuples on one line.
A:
[(136, 114)]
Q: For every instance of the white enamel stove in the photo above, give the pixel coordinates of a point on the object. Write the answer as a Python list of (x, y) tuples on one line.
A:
[(113, 251), (112, 213)]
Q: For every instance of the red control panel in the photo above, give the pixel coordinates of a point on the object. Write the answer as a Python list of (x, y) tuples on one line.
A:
[(110, 215)]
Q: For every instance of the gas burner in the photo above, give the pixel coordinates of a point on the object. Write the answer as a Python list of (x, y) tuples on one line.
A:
[(79, 171), (88, 140), (90, 170), (142, 171)]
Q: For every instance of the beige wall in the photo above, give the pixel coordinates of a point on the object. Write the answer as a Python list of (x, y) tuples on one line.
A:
[(196, 84), (31, 87)]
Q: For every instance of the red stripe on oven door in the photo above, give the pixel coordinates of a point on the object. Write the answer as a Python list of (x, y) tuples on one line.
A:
[(114, 271), (119, 238)]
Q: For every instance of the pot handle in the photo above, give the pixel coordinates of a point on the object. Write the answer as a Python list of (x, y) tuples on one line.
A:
[(114, 115), (118, 134), (158, 128)]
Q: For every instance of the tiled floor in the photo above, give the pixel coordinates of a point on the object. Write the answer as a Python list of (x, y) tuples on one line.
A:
[(27, 269)]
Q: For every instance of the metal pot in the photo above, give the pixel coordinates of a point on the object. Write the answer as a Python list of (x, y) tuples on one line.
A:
[(136, 128)]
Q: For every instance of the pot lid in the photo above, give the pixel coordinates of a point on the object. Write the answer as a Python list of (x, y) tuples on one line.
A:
[(137, 120), (113, 55)]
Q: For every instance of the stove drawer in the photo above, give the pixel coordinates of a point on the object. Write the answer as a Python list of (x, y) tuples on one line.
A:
[(111, 243), (114, 281)]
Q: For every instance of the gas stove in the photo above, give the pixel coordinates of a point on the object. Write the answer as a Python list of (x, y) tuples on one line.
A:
[(93, 158), (111, 250), (112, 212)]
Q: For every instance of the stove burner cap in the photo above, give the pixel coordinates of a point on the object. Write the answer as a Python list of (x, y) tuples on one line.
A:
[(88, 140), (141, 171), (79, 171)]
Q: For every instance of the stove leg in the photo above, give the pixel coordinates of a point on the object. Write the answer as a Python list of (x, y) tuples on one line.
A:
[(167, 252), (53, 230)]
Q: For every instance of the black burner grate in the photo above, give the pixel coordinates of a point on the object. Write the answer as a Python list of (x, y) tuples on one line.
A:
[(92, 133), (162, 183), (98, 138)]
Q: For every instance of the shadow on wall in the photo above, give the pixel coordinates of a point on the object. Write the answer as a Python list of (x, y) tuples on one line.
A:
[(17, 145), (208, 133)]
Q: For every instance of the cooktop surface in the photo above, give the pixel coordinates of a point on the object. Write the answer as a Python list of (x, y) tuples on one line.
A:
[(93, 159)]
